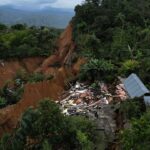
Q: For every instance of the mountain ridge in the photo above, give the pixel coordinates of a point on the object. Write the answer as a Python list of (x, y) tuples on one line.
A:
[(51, 17)]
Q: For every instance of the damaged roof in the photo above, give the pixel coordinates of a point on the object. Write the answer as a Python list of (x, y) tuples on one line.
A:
[(135, 87)]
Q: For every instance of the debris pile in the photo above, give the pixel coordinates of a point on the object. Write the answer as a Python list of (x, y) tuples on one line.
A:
[(96, 103), (120, 92), (93, 103), (81, 99)]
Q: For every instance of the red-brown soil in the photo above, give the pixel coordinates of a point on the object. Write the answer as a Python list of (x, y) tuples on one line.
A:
[(9, 68), (65, 49), (33, 93)]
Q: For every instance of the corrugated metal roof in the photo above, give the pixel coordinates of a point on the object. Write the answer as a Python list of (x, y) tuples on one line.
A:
[(147, 100), (134, 86)]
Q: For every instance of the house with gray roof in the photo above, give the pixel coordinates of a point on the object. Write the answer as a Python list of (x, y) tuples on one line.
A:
[(135, 88)]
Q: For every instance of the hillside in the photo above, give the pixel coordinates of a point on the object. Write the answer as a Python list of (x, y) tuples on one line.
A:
[(51, 17), (34, 92), (80, 96)]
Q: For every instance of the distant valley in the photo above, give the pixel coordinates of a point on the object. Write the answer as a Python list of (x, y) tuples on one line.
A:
[(52, 17)]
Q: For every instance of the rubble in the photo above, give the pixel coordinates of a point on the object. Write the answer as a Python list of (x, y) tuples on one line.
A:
[(2, 62), (82, 97), (120, 92), (95, 104)]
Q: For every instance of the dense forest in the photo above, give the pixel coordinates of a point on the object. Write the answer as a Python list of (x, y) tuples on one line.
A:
[(114, 37), (20, 41), (115, 33)]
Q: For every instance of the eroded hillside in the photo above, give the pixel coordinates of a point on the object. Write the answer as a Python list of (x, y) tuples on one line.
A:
[(9, 68), (54, 65)]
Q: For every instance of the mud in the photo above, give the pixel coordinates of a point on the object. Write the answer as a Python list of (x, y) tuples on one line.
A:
[(63, 54), (32, 95), (54, 65), (9, 68)]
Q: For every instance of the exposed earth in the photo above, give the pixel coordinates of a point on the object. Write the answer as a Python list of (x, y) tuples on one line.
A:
[(75, 99), (33, 93)]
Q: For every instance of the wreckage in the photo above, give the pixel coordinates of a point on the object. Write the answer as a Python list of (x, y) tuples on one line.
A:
[(95, 104), (82, 98)]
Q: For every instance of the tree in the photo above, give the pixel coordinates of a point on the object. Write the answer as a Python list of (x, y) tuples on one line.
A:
[(118, 24), (132, 108), (97, 70), (20, 41), (47, 128), (2, 102), (18, 26), (138, 136), (128, 67), (2, 27)]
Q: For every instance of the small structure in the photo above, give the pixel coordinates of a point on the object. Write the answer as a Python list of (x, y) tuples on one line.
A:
[(147, 100), (135, 87)]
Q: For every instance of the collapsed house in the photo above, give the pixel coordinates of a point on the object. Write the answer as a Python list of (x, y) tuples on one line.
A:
[(93, 103), (136, 89)]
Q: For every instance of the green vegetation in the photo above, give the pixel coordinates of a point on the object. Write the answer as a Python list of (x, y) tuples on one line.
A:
[(138, 136), (2, 102), (129, 66), (11, 93), (132, 108), (96, 69), (116, 30), (114, 36), (46, 128), (20, 41), (37, 77), (13, 90), (23, 77)]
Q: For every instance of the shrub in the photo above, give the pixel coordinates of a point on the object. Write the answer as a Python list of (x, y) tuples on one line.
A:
[(132, 108), (47, 126), (20, 41), (144, 71), (2, 27), (18, 26), (138, 136), (95, 85), (36, 77), (22, 75), (12, 95), (97, 70), (3, 102), (128, 67)]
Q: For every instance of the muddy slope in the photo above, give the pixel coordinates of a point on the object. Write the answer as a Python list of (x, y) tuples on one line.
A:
[(63, 55), (9, 68), (56, 65), (32, 95)]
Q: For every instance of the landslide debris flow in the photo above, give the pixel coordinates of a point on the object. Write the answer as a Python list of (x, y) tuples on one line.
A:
[(96, 104), (81, 99), (33, 93)]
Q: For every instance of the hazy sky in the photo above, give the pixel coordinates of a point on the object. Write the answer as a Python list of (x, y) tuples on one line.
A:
[(42, 3)]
